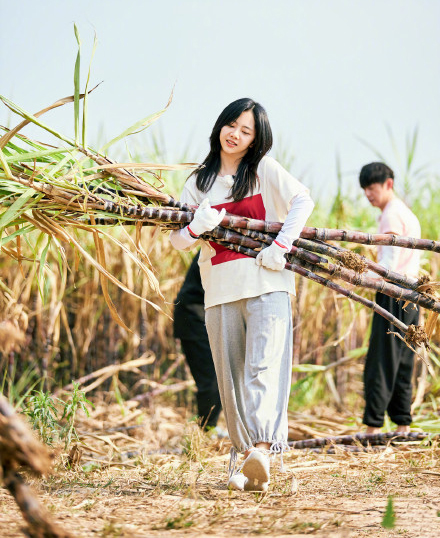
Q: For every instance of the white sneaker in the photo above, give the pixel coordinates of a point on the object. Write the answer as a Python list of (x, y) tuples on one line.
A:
[(237, 481), (256, 469)]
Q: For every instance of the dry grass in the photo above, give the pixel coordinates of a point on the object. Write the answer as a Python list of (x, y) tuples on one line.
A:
[(150, 472)]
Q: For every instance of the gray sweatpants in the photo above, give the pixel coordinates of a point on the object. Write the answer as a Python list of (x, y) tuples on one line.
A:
[(251, 344)]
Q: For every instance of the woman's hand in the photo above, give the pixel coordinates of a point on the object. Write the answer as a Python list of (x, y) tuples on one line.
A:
[(272, 257), (206, 218)]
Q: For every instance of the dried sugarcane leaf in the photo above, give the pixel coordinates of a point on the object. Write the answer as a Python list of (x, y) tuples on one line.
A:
[(429, 286), (101, 259), (431, 323), (103, 270), (152, 280)]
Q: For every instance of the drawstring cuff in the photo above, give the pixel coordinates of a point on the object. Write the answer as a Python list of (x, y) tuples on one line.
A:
[(278, 447), (232, 462)]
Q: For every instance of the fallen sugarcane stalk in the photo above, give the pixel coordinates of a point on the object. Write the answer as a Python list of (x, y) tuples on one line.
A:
[(363, 439), (19, 448)]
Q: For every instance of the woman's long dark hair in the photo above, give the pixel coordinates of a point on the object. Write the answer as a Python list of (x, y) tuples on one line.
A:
[(246, 176)]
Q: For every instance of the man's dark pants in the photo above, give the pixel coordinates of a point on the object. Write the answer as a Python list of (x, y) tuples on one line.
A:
[(388, 367), (190, 328)]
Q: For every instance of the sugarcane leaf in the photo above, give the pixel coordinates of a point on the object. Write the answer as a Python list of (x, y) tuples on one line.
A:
[(76, 82), (152, 280), (35, 155), (5, 166), (86, 99), (25, 230), (32, 119), (308, 368), (61, 164), (393, 143), (138, 126), (14, 210), (428, 285), (103, 270), (372, 148), (11, 133), (411, 148), (143, 166), (43, 260)]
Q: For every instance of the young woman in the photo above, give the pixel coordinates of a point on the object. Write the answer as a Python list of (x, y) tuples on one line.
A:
[(248, 313)]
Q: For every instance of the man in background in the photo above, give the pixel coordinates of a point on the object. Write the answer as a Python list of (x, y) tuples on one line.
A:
[(389, 363), (189, 327)]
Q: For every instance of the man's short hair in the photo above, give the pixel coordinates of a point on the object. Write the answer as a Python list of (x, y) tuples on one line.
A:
[(375, 173)]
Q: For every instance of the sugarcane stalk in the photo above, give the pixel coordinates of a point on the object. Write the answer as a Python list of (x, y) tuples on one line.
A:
[(312, 262), (267, 227), (413, 334), (380, 285), (328, 283), (327, 234), (340, 254), (362, 438)]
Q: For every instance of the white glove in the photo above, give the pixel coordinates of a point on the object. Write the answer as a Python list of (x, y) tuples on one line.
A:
[(206, 218), (272, 257)]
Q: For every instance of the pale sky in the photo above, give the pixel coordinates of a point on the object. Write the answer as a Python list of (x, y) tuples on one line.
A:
[(328, 72)]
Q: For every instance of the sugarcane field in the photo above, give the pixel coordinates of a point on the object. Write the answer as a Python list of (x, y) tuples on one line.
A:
[(124, 267)]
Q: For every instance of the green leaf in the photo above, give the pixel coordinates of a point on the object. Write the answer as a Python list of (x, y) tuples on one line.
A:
[(14, 210), (25, 230), (308, 368), (138, 126), (76, 82), (35, 155), (30, 117), (4, 165), (389, 518), (86, 97), (43, 260)]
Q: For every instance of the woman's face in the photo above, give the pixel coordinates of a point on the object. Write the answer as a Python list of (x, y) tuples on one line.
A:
[(237, 137)]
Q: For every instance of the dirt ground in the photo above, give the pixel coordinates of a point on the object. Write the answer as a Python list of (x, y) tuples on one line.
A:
[(122, 485)]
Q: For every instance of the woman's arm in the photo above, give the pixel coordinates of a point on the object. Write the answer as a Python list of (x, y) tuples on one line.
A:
[(272, 257), (300, 210)]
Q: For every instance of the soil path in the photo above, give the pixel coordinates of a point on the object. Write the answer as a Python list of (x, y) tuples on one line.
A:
[(124, 485), (340, 495)]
